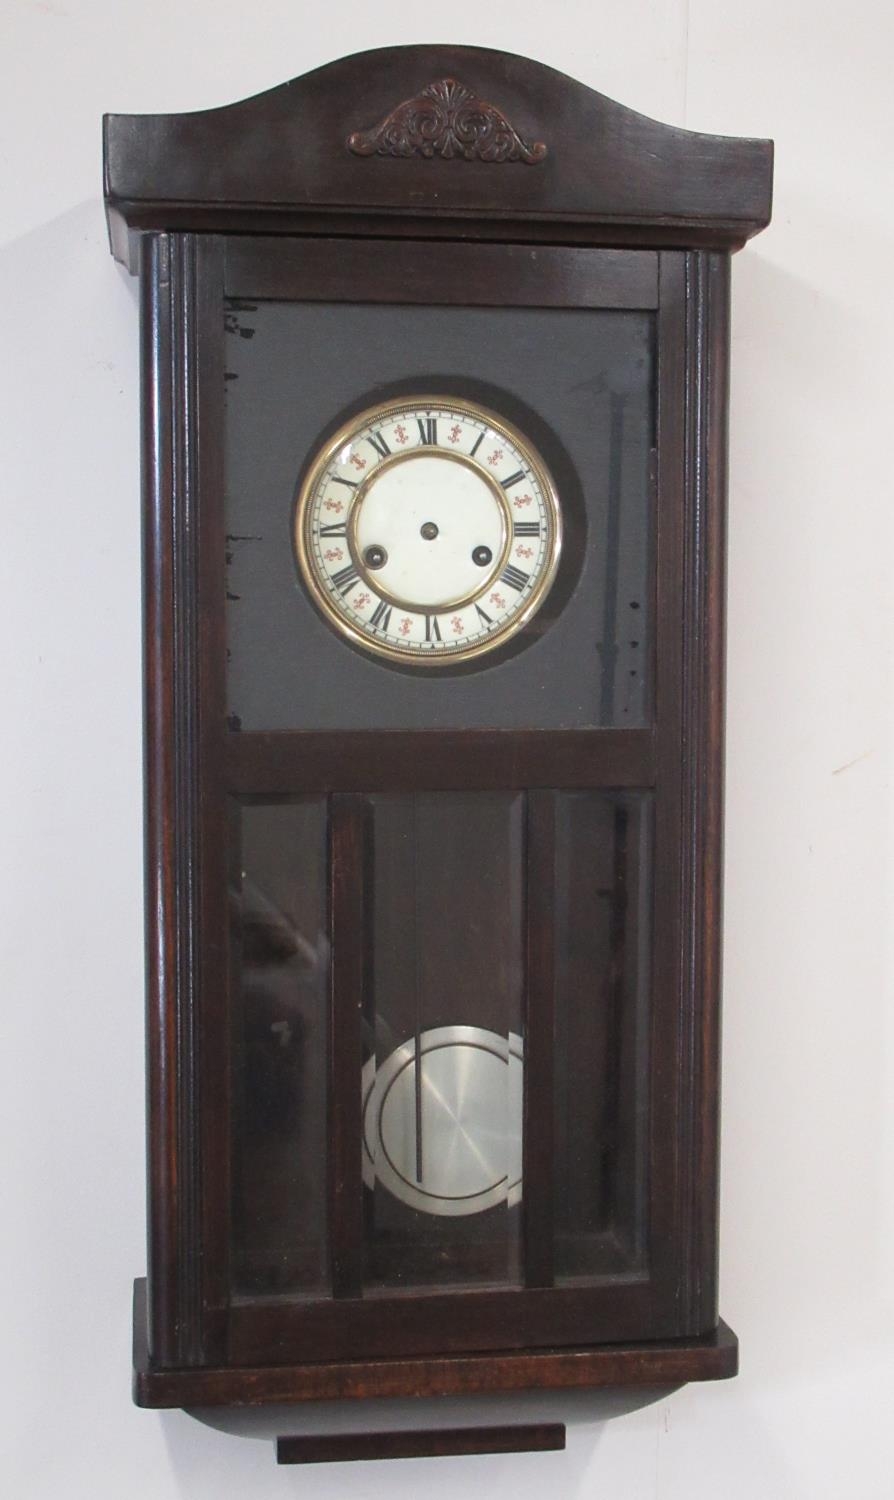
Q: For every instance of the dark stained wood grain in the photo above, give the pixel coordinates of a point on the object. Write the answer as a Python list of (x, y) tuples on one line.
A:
[(212, 1045), (538, 1173), (159, 772), (279, 163), (431, 274), (694, 335), (666, 1146), (349, 878), (279, 763), (650, 1362), (447, 119), (708, 286), (617, 1308), (185, 850), (436, 1442), (619, 1000), (171, 702)]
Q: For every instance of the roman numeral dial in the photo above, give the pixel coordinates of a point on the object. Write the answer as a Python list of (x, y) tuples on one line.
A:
[(515, 578), (427, 531)]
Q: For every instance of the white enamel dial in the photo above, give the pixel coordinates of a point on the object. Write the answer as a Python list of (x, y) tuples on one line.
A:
[(428, 530)]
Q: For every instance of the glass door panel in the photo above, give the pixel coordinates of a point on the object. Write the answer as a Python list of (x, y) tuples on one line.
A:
[(280, 960), (442, 1075), (603, 911), (446, 983)]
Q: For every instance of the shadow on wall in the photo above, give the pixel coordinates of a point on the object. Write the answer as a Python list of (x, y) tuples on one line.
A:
[(807, 851), (585, 1413)]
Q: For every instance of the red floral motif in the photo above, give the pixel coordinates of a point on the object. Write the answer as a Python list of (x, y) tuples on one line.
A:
[(521, 500), (336, 505), (357, 461), (495, 456), (361, 600), (400, 433), (524, 551), (455, 433), (498, 600), (458, 626), (333, 554), (406, 625)]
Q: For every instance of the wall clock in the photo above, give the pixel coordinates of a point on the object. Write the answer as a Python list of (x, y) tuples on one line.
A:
[(435, 352)]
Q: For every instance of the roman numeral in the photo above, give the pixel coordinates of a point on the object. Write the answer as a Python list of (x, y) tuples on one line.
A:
[(337, 479), (345, 578), (515, 578), (428, 430), (526, 528), (339, 529), (432, 629), (513, 479), (381, 616), (482, 616), (478, 441), (378, 442)]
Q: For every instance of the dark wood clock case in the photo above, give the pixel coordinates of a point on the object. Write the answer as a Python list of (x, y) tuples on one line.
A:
[(542, 831)]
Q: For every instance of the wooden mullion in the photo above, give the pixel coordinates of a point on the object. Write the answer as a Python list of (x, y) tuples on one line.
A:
[(216, 816), (163, 1304), (617, 998), (349, 834), (538, 1164), (420, 1321), (284, 763), (419, 272), (666, 1150), (706, 707)]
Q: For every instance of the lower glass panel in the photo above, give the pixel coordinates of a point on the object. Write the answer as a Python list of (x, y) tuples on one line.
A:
[(603, 907), (442, 1076), (280, 960)]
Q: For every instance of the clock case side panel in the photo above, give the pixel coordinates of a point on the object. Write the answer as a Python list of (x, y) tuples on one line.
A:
[(692, 502), (185, 809)]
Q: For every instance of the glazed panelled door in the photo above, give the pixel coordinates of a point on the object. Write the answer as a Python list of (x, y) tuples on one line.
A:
[(440, 913)]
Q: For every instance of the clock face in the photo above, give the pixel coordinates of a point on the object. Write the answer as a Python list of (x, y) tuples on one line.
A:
[(428, 530)]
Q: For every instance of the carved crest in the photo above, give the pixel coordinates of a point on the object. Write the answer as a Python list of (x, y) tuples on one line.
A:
[(449, 120)]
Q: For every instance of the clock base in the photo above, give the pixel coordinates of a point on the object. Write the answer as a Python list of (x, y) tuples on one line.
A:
[(664, 1362)]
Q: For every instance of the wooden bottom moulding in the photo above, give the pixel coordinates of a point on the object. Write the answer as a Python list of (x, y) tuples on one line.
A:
[(666, 1362)]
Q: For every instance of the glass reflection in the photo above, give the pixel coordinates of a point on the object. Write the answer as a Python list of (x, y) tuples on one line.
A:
[(281, 966)]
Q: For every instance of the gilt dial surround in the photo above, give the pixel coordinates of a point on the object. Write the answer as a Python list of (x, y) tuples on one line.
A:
[(428, 530)]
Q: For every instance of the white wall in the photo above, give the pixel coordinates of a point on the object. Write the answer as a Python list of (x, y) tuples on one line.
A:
[(808, 1186)]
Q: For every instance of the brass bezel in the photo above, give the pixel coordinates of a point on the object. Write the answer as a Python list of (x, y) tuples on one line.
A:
[(446, 655)]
